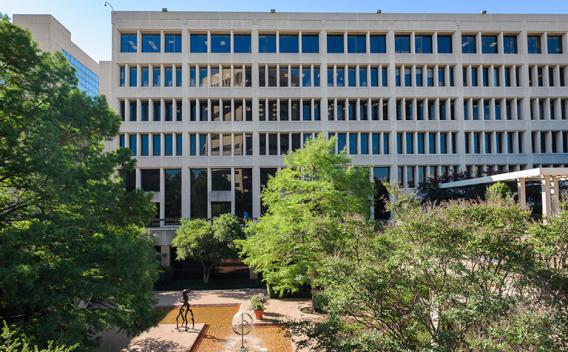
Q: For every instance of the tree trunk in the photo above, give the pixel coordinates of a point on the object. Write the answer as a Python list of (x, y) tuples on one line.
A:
[(206, 272)]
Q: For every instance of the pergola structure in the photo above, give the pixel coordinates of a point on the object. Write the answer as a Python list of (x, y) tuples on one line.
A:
[(548, 177)]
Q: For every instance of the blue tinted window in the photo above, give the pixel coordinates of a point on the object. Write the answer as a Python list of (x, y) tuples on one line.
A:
[(362, 77), (554, 44), (202, 144), (402, 43), (198, 43), (341, 141), (88, 81), (374, 77), (156, 77), (316, 110), (420, 146), (351, 77), (145, 77), (378, 44), (169, 106), (489, 44), (375, 138), (335, 43), (173, 43), (432, 143), (144, 111), (306, 77), (156, 147), (310, 43), (468, 44), (132, 144), (122, 141), (356, 43), (510, 44), (122, 76), (267, 43), (353, 143), (179, 144), (179, 77), (445, 44), (151, 43), (399, 143), (423, 44), (220, 43), (242, 43), (364, 143), (534, 46), (192, 144), (168, 144), (168, 77), (133, 77), (144, 145), (384, 76), (340, 76), (288, 43), (330, 77), (307, 110), (386, 141), (128, 43)]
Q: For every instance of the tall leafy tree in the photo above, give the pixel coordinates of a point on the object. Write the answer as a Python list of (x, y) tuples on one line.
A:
[(208, 242), (74, 257), (308, 201)]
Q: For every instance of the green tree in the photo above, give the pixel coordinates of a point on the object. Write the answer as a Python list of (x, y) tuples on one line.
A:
[(208, 242), (74, 256), (12, 341), (463, 276), (307, 201)]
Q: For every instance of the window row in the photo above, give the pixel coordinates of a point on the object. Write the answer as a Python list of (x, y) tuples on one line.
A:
[(549, 109), (409, 143), (411, 176), (153, 144), (340, 43), (549, 141), (288, 75), (364, 143), (548, 76), (491, 76), (341, 109), (426, 109), (151, 110), (424, 76), (225, 109), (289, 109), (357, 76), (150, 76), (474, 171), (214, 76), (492, 109), (216, 144), (494, 142)]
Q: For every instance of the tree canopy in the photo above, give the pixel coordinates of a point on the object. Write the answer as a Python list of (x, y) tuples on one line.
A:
[(309, 202), (461, 276), (74, 257), (208, 242)]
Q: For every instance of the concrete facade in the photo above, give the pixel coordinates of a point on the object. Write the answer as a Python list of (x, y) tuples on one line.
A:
[(409, 114), (52, 36)]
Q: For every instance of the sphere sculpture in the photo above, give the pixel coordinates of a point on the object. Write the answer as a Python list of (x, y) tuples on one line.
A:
[(242, 325)]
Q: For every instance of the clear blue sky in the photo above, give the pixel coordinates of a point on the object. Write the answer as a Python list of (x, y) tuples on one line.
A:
[(89, 20)]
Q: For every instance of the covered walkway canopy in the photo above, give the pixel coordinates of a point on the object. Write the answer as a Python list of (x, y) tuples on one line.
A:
[(549, 179)]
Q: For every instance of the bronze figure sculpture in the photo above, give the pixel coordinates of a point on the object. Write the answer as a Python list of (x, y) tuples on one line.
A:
[(183, 310)]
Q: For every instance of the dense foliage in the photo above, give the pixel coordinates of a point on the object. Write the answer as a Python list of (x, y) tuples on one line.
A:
[(208, 242), (461, 276), (311, 205), (74, 257)]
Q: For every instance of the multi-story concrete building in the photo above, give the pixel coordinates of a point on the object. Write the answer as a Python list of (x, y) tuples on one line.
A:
[(211, 102), (52, 36)]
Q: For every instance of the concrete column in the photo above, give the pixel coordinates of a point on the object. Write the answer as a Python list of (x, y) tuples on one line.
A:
[(546, 196), (522, 192), (556, 200), (165, 256)]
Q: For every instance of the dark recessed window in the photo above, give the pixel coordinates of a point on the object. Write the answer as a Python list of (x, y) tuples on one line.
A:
[(423, 44), (151, 43), (220, 179), (510, 44), (199, 199), (445, 44), (267, 43), (335, 44), (489, 44), (173, 43), (356, 43), (150, 180), (220, 43), (128, 42), (288, 43), (554, 44), (242, 43), (198, 43), (534, 45), (378, 44), (468, 44), (402, 44), (310, 43)]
